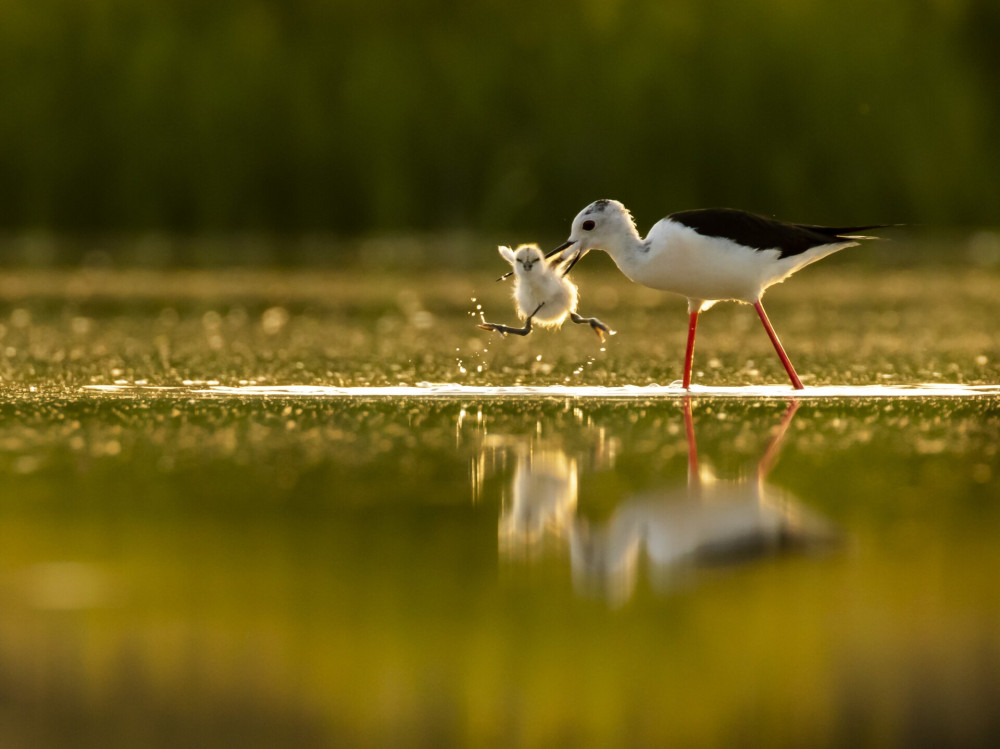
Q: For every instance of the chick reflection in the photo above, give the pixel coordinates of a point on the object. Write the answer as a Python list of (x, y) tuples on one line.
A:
[(542, 502), (708, 522)]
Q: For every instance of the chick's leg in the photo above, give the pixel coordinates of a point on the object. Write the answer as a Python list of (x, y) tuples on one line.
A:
[(600, 328), (505, 329)]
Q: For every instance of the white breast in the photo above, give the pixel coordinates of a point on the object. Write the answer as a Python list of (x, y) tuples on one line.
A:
[(676, 258), (558, 294)]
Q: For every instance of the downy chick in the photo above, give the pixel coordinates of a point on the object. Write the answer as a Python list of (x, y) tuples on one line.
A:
[(542, 294)]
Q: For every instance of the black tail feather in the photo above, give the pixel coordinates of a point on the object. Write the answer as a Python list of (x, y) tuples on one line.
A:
[(840, 231)]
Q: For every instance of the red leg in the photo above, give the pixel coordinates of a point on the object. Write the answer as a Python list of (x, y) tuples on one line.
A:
[(689, 355), (694, 477), (796, 382), (770, 456)]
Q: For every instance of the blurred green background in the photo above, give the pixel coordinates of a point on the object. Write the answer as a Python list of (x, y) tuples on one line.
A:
[(291, 117)]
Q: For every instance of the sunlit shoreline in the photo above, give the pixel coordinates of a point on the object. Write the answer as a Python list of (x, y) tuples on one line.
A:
[(626, 392)]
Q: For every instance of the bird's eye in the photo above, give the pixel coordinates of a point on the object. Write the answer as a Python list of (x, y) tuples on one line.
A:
[(588, 225)]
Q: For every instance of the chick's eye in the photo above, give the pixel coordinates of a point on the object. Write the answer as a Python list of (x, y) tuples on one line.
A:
[(588, 225)]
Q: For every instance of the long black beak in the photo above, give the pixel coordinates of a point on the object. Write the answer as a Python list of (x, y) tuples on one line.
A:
[(560, 248), (574, 261)]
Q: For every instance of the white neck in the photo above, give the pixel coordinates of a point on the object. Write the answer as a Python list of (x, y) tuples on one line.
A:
[(626, 249)]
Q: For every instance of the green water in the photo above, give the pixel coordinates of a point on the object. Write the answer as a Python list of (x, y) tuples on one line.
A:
[(203, 569)]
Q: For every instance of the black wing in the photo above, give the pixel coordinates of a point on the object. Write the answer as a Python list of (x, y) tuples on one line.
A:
[(762, 233)]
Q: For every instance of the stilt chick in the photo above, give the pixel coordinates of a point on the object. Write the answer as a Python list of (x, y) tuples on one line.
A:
[(542, 294)]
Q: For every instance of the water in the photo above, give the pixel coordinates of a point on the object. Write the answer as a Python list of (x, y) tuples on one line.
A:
[(238, 510), (450, 390)]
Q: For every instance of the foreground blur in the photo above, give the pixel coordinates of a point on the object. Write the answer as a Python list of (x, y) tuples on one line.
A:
[(200, 570)]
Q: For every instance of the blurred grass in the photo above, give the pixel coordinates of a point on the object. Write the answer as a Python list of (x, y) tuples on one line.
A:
[(324, 115)]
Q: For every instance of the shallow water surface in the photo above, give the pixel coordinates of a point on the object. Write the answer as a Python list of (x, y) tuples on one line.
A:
[(224, 523), (516, 572)]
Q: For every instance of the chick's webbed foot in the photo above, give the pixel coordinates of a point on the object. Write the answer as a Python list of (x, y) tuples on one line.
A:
[(598, 327)]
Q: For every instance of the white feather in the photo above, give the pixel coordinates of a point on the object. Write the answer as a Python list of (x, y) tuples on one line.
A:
[(540, 284)]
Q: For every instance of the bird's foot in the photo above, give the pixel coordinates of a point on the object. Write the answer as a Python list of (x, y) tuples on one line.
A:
[(601, 329), (505, 329), (492, 326), (596, 325)]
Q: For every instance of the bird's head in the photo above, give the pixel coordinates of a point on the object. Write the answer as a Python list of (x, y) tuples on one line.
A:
[(524, 258), (599, 226)]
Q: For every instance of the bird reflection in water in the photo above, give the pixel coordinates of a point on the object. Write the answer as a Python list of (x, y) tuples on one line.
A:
[(709, 522), (542, 503), (539, 508)]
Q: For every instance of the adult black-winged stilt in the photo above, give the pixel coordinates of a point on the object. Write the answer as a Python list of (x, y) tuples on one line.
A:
[(708, 256)]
